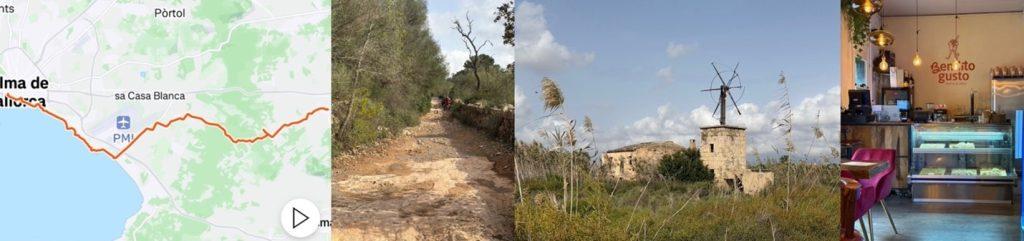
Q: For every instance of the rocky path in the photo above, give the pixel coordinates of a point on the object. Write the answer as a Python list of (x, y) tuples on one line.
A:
[(437, 181)]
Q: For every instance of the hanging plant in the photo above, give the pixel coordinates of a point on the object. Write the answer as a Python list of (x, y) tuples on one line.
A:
[(857, 23)]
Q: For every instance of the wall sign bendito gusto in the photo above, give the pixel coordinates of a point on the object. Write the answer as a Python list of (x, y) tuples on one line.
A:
[(946, 74)]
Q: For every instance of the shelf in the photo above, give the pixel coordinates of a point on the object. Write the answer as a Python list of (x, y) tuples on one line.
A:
[(1006, 151)]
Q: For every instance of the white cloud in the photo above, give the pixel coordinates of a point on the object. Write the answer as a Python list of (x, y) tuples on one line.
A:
[(819, 111), (484, 28), (536, 47), (665, 74), (455, 58), (535, 130), (675, 50), (522, 108), (519, 97)]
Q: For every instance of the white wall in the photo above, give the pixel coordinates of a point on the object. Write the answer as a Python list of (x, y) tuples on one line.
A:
[(987, 40)]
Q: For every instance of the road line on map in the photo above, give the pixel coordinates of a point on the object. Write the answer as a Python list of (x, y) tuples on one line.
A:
[(153, 127)]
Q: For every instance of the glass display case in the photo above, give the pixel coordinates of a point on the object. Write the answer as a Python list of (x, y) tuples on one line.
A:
[(962, 162)]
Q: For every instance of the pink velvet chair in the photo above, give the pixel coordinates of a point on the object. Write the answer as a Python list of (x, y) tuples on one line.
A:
[(875, 189)]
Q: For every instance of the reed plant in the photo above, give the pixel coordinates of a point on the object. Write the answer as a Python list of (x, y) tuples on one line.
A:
[(562, 197)]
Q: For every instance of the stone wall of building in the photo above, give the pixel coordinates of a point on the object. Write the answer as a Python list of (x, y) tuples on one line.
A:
[(723, 149), (627, 162), (620, 165), (754, 182)]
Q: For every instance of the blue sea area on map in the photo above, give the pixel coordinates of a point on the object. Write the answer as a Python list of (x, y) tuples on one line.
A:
[(53, 188)]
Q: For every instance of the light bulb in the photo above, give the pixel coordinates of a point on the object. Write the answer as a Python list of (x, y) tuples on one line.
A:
[(880, 37), (917, 60), (956, 64), (868, 7), (884, 65)]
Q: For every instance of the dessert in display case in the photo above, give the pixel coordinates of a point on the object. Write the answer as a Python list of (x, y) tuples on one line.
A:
[(962, 162)]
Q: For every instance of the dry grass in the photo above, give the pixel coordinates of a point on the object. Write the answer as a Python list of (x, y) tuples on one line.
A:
[(562, 198), (800, 205)]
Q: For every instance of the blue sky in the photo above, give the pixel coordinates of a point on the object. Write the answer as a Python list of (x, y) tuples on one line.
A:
[(636, 68), (440, 14)]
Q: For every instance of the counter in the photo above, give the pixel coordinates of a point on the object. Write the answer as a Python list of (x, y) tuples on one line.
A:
[(962, 162)]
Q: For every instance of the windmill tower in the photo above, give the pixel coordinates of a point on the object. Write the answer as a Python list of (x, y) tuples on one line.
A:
[(723, 147)]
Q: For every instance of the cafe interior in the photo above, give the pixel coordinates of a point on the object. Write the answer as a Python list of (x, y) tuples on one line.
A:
[(932, 93)]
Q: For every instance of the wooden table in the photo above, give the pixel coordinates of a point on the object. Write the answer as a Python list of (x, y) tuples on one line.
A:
[(885, 135), (863, 169)]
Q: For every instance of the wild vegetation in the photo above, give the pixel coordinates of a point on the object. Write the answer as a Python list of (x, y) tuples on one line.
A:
[(562, 196), (497, 83), (685, 166), (387, 67)]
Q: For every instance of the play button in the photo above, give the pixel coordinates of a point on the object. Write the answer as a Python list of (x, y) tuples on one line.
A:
[(295, 216), (299, 218)]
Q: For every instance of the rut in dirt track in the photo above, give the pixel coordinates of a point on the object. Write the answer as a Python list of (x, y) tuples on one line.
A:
[(439, 180)]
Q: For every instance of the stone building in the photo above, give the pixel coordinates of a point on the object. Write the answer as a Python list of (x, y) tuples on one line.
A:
[(723, 149), (625, 162)]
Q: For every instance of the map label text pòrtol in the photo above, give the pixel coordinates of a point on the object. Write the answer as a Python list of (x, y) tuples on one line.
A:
[(169, 13)]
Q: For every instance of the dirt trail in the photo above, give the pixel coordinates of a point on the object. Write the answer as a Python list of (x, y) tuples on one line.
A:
[(437, 181)]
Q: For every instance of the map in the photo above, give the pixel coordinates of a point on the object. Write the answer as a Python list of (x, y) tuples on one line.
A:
[(165, 120)]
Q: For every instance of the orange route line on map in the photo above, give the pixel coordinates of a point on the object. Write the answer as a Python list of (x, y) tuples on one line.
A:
[(167, 124)]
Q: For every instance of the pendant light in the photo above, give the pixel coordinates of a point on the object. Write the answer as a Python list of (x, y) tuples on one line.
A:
[(869, 6), (917, 26), (955, 42), (880, 37), (883, 62), (956, 64), (884, 65)]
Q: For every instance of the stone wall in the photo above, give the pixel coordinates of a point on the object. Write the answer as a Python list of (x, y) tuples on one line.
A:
[(498, 123), (627, 164), (723, 149), (754, 182), (619, 165)]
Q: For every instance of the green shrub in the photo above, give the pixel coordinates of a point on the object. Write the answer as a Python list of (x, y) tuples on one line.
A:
[(368, 117), (386, 67), (685, 166), (497, 84), (550, 182)]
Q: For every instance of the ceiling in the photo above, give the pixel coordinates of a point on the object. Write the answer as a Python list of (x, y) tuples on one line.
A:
[(893, 8)]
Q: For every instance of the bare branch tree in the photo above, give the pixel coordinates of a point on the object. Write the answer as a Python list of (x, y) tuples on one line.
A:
[(471, 44)]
